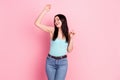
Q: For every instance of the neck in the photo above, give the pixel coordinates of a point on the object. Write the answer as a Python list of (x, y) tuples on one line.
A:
[(60, 32), (59, 29)]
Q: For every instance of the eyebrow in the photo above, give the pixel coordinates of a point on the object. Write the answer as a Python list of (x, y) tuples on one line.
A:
[(57, 19)]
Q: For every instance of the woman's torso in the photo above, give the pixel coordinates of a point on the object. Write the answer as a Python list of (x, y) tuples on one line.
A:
[(58, 47)]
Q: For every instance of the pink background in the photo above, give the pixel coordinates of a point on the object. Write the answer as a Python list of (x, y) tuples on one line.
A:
[(24, 47)]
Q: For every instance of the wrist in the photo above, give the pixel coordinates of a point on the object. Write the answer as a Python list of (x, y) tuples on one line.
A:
[(45, 11), (71, 39)]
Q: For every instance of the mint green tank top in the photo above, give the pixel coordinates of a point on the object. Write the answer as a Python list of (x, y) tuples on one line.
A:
[(58, 47)]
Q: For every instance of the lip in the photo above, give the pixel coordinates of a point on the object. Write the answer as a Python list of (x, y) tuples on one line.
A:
[(57, 24)]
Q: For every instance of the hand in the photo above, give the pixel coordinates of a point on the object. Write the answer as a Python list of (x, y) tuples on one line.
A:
[(71, 33), (47, 7)]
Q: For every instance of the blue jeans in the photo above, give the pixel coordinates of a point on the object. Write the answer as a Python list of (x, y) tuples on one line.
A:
[(56, 69)]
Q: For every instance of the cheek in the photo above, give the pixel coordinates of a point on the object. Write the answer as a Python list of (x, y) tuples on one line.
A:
[(60, 22)]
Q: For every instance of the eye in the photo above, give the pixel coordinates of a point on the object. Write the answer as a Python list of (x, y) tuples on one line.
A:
[(56, 19)]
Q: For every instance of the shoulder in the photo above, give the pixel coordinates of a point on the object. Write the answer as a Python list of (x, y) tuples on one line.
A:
[(52, 32), (52, 29)]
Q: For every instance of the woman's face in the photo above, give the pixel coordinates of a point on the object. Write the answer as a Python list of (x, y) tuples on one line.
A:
[(58, 22)]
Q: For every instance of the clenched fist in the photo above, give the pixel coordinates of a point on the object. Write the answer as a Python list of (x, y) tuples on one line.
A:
[(47, 7)]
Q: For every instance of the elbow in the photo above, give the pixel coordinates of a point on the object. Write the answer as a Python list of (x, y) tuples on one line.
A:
[(69, 50), (36, 23)]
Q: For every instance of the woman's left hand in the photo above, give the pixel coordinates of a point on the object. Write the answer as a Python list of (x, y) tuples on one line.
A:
[(71, 33)]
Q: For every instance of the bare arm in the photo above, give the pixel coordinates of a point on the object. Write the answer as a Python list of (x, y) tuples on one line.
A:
[(39, 19), (70, 45)]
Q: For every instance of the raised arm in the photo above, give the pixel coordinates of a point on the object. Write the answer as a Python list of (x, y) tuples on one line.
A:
[(70, 45), (40, 17)]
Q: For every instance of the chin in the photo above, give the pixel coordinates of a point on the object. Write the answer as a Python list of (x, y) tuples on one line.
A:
[(58, 26)]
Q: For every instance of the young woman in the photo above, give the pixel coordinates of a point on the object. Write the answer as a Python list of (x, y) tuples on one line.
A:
[(61, 43)]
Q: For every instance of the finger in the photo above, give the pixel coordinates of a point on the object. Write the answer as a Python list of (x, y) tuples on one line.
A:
[(73, 33)]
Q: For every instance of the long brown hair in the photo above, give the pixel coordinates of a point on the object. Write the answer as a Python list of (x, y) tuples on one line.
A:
[(64, 27)]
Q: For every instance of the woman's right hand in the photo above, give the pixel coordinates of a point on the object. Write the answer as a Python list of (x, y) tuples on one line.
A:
[(47, 7)]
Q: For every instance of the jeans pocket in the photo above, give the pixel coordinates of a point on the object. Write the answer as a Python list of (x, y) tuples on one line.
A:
[(50, 60), (64, 61)]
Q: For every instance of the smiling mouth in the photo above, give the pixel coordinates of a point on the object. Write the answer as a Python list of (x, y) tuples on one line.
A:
[(57, 24)]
